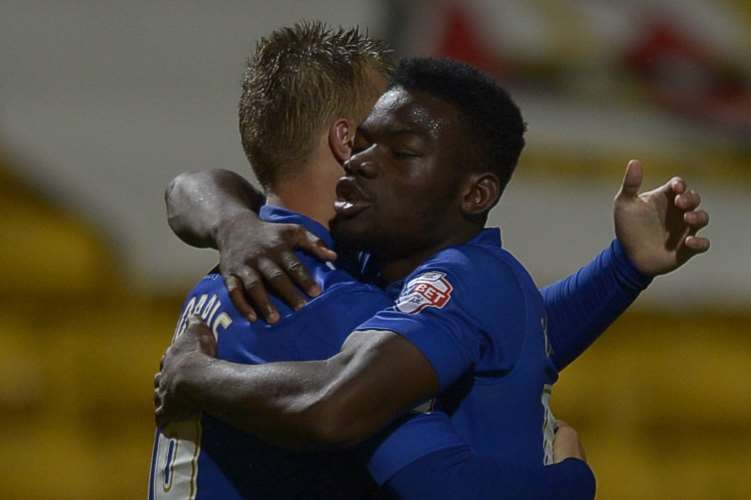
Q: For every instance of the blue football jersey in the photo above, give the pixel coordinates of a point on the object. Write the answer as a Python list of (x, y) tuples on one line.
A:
[(208, 459), (477, 316), (472, 310)]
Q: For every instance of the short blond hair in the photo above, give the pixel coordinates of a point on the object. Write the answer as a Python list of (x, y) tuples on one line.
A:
[(297, 82)]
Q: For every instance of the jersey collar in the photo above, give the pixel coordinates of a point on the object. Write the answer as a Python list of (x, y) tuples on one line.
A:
[(488, 236), (272, 213)]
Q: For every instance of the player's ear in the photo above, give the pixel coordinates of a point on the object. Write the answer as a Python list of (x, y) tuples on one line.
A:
[(341, 139), (480, 193)]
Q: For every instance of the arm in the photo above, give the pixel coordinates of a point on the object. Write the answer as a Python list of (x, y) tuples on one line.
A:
[(656, 233), (335, 402), (301, 405), (582, 306), (377, 375), (452, 470), (198, 203), (216, 208), (460, 474)]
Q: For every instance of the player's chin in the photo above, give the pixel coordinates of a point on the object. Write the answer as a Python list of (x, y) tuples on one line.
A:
[(352, 232)]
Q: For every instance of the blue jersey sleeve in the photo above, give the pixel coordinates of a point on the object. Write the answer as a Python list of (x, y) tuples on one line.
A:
[(450, 309), (406, 440), (459, 474), (582, 306)]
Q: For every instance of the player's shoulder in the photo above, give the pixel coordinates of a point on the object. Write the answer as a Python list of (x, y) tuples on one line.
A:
[(208, 283), (479, 278)]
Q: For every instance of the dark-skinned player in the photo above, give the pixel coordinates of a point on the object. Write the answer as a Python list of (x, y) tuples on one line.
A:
[(355, 201), (205, 458)]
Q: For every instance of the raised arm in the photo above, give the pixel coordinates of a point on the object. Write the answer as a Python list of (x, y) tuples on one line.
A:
[(336, 402), (217, 208), (656, 233)]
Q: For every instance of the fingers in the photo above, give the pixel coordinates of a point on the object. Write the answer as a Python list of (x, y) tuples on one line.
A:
[(280, 283), (677, 185), (696, 244), (158, 406), (207, 343), (196, 322), (688, 200), (276, 268), (696, 220), (567, 444), (157, 401), (160, 418), (312, 244), (198, 328), (299, 237), (237, 295), (631, 180), (256, 291), (294, 268)]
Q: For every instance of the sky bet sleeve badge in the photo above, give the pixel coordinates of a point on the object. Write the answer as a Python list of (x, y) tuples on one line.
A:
[(431, 289)]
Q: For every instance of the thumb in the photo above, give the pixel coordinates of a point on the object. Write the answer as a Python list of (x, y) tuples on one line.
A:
[(314, 245), (197, 327), (207, 343), (631, 180)]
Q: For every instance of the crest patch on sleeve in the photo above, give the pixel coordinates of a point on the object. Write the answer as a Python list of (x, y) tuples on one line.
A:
[(431, 289)]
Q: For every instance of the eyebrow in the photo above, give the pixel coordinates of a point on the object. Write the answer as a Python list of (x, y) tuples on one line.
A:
[(397, 131)]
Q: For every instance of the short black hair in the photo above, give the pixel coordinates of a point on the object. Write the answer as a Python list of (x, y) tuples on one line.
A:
[(485, 108)]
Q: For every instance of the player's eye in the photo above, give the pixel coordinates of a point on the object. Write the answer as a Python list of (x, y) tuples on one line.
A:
[(403, 155)]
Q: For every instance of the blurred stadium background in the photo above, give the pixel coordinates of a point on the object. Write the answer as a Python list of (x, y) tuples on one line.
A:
[(101, 103)]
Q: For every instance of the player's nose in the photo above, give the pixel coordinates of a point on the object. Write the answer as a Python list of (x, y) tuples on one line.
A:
[(361, 165)]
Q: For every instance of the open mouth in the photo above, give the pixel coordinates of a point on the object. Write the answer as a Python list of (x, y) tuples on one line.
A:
[(350, 198)]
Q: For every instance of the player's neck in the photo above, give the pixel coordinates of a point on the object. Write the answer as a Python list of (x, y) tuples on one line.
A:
[(399, 268), (305, 196)]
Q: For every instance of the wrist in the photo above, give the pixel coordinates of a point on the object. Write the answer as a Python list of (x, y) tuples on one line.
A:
[(225, 227), (627, 271), (190, 372)]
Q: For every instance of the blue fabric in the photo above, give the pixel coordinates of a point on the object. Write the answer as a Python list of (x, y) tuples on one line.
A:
[(230, 464), (395, 447), (477, 316), (583, 305), (459, 474)]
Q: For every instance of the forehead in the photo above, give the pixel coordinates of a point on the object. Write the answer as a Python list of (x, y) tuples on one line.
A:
[(413, 111)]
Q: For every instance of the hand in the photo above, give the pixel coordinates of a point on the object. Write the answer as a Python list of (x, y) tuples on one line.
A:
[(253, 252), (566, 444), (184, 358), (658, 228)]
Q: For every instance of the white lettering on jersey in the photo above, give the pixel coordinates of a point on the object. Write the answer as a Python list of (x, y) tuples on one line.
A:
[(206, 308), (175, 471), (431, 289), (222, 320)]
